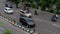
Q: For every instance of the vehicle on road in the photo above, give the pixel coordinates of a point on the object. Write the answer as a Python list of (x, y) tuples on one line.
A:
[(54, 17), (27, 22), (8, 5), (25, 13), (8, 10)]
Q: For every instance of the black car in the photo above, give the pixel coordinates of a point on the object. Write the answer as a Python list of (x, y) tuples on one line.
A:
[(8, 5), (27, 22)]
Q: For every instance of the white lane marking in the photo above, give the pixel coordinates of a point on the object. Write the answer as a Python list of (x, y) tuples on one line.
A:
[(56, 25)]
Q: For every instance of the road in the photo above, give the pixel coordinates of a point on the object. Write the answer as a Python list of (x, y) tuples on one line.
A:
[(12, 16), (46, 27), (7, 26), (43, 22)]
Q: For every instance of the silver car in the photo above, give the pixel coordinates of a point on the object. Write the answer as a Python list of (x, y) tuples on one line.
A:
[(8, 10), (25, 13)]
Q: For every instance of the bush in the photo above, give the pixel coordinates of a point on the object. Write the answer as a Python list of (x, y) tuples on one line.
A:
[(51, 11), (34, 5), (8, 32), (57, 12), (42, 7)]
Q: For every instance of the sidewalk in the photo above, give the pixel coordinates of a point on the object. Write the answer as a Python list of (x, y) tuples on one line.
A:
[(1, 30)]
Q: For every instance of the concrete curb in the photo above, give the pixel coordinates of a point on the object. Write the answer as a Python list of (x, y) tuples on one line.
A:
[(19, 26)]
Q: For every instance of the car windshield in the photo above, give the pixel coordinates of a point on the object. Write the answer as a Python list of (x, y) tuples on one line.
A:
[(29, 20), (27, 12)]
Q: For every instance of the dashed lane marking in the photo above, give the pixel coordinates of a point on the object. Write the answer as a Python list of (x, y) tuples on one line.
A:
[(56, 25)]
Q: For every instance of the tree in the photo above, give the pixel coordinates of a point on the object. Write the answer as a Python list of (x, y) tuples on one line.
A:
[(47, 3), (34, 5), (58, 7), (43, 4)]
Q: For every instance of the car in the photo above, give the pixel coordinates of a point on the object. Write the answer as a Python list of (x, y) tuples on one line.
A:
[(28, 22), (8, 5), (25, 13), (8, 10)]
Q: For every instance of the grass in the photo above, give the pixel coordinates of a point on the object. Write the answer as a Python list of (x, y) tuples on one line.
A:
[(0, 23), (40, 33), (8, 32)]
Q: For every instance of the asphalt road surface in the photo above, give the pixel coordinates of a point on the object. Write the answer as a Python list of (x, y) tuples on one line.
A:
[(43, 22)]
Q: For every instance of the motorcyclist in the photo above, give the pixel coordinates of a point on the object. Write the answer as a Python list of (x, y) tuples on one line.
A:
[(36, 13)]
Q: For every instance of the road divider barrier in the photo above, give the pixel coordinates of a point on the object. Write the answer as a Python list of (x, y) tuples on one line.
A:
[(19, 26)]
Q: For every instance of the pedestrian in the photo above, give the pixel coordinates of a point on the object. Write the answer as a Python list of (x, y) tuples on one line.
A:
[(17, 6), (24, 7), (28, 10), (14, 21), (36, 12)]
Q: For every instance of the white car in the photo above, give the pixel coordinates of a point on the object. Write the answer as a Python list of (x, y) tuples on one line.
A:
[(25, 13), (8, 10)]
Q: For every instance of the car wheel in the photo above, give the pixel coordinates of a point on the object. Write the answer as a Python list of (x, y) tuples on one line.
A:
[(29, 16)]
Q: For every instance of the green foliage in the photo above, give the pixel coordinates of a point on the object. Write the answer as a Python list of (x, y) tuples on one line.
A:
[(0, 23), (49, 4), (58, 12), (8, 32), (17, 1), (40, 33), (34, 5), (42, 7), (51, 11)]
